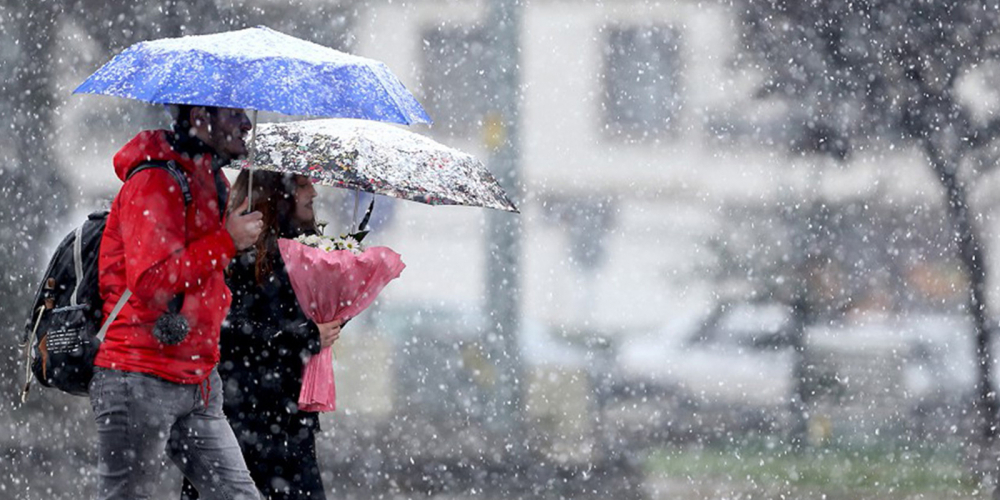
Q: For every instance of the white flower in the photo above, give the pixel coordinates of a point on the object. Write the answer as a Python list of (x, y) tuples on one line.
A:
[(329, 243), (352, 244)]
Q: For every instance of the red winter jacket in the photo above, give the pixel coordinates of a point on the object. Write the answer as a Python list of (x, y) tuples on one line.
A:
[(158, 248)]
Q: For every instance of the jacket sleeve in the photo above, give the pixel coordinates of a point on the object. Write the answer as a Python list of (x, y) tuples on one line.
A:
[(269, 315), (158, 265)]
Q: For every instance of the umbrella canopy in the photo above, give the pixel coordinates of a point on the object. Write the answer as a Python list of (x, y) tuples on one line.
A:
[(377, 158), (257, 68)]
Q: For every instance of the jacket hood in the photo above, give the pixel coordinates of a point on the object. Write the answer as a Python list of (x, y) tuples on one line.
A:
[(148, 145)]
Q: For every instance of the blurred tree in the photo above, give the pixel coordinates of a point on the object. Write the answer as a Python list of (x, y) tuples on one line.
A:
[(826, 259), (32, 191), (860, 71)]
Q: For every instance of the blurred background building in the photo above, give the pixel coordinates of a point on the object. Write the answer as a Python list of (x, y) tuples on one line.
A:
[(668, 243)]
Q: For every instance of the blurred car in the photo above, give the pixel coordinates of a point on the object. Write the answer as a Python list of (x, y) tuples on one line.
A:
[(917, 358), (732, 354), (742, 352)]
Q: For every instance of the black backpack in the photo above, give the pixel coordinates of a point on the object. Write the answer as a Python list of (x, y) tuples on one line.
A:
[(64, 329)]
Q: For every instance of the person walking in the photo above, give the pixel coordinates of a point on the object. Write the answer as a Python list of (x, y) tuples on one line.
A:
[(156, 389), (266, 341)]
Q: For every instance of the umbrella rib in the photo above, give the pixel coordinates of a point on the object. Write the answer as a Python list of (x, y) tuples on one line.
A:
[(392, 95)]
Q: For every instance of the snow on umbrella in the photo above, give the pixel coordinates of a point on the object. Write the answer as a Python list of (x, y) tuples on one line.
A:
[(377, 158), (259, 69)]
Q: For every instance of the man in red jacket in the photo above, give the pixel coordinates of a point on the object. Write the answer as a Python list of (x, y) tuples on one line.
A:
[(148, 396)]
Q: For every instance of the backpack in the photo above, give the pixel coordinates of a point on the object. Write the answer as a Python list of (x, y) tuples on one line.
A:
[(64, 330)]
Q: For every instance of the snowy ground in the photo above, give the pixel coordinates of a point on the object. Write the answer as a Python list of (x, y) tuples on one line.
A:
[(68, 477)]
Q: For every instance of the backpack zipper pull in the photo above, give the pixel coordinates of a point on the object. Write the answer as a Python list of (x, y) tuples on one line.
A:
[(27, 354), (24, 392), (50, 286)]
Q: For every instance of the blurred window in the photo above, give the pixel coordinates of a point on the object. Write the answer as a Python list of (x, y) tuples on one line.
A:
[(454, 78), (642, 93)]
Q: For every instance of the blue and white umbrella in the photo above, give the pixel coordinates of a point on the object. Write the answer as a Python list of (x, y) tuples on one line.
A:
[(259, 69)]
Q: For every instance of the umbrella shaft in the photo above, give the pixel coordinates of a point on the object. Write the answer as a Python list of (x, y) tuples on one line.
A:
[(357, 200), (252, 153)]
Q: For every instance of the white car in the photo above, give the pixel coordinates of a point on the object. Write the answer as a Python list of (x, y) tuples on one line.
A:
[(735, 354)]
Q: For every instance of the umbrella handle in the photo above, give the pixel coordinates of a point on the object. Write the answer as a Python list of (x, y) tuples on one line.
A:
[(354, 219), (252, 153)]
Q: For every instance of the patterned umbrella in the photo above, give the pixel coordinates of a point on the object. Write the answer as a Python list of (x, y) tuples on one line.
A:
[(377, 158)]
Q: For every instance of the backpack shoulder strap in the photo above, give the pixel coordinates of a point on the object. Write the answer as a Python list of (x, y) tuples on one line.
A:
[(174, 170), (114, 313)]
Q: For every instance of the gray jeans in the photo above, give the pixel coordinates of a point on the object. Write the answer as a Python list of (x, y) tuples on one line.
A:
[(142, 417)]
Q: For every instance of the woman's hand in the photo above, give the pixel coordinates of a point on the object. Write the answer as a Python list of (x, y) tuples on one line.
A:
[(329, 332)]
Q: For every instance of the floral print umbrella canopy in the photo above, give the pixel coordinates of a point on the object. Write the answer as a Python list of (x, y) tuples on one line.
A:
[(377, 158)]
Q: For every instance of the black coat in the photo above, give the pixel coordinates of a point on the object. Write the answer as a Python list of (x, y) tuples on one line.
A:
[(265, 341)]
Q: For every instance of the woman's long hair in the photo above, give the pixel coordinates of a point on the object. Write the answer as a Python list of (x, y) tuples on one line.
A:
[(274, 198)]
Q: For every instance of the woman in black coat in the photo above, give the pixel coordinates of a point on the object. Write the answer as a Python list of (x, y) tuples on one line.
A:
[(266, 341)]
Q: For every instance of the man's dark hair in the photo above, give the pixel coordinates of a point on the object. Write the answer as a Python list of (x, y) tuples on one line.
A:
[(182, 117)]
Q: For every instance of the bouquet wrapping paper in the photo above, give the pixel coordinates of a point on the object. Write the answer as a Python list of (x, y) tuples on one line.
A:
[(333, 285)]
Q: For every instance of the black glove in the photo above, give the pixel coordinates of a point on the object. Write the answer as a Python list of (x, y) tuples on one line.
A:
[(172, 327)]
